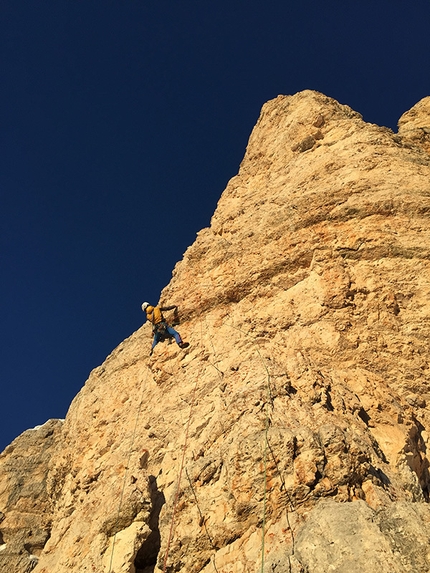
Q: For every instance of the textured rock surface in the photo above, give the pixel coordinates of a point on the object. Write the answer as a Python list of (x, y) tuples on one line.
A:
[(414, 125), (25, 506), (292, 434)]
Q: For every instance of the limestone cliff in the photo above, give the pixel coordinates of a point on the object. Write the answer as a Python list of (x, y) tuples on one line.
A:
[(292, 435)]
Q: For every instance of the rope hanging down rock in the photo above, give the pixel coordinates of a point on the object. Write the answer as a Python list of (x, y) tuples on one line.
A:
[(175, 503), (266, 448), (127, 467)]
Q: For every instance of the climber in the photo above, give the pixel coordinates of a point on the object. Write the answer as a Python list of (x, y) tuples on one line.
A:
[(160, 329)]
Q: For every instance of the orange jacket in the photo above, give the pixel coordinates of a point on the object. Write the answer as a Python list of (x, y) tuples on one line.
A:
[(154, 313)]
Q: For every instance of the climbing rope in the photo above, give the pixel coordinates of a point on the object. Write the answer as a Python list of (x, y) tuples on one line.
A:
[(266, 442), (284, 488), (182, 466), (184, 449), (269, 387), (265, 455), (178, 487), (267, 447), (220, 373), (127, 467), (263, 527), (202, 519)]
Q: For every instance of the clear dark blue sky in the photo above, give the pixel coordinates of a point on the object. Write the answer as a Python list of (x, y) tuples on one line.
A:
[(121, 122)]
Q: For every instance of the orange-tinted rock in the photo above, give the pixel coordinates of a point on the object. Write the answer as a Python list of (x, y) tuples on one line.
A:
[(300, 409)]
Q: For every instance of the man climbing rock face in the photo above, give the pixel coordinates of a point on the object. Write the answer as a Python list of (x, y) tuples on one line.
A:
[(160, 329)]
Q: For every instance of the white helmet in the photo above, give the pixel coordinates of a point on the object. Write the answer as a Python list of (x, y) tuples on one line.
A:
[(144, 305)]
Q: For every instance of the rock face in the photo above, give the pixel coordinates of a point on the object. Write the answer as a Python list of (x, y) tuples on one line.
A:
[(292, 435), (26, 507)]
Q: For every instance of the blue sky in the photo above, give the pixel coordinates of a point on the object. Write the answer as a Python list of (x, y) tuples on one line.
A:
[(121, 122)]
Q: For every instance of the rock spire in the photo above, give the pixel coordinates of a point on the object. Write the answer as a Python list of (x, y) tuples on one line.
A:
[(293, 433)]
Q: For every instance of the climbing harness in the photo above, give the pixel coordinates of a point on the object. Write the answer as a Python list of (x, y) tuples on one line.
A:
[(161, 329)]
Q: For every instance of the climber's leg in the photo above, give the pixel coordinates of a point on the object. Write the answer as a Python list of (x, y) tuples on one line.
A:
[(175, 335)]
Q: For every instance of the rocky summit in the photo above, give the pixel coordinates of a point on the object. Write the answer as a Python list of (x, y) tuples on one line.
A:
[(292, 435)]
